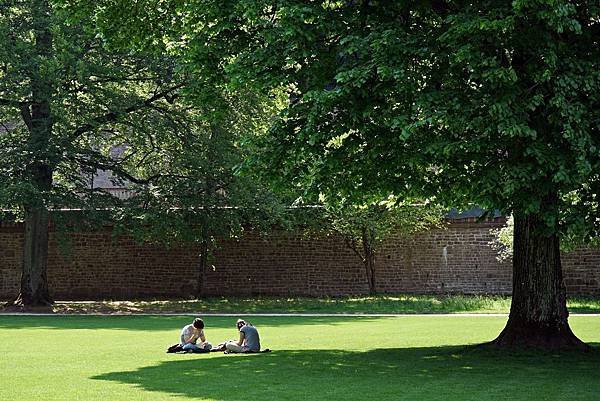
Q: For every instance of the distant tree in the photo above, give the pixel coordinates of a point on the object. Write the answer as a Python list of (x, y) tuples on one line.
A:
[(364, 228), (66, 100)]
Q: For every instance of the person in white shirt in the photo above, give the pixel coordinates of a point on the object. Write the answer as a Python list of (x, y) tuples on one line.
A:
[(190, 335)]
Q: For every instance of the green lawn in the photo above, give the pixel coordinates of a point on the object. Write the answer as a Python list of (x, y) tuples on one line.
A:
[(395, 304), (340, 358)]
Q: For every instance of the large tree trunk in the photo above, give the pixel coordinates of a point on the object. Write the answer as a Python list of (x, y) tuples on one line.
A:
[(38, 118), (538, 314), (34, 282)]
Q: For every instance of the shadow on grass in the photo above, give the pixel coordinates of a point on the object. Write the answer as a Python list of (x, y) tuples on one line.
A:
[(442, 373), (162, 323)]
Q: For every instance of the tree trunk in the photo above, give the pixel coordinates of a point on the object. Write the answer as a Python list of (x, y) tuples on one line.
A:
[(370, 268), (39, 121), (34, 282), (538, 314), (369, 258)]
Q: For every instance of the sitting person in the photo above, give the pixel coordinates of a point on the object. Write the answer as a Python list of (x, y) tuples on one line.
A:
[(249, 339), (190, 334)]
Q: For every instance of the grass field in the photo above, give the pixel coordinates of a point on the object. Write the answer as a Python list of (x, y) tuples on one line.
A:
[(314, 358), (394, 304)]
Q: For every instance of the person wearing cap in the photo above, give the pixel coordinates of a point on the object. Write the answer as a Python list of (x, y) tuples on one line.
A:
[(249, 340), (190, 335)]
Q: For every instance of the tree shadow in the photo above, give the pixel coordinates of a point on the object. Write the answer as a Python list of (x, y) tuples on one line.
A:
[(436, 373), (164, 323)]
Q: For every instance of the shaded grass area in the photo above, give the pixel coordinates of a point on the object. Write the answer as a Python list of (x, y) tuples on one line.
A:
[(430, 373), (336, 358), (394, 304)]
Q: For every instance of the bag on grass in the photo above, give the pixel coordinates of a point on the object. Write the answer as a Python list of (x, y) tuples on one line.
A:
[(174, 348)]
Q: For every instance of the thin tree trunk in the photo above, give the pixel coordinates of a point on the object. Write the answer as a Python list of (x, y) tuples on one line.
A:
[(538, 314), (370, 268), (369, 259)]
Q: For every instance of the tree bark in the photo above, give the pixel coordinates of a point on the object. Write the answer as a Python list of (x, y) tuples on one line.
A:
[(538, 314)]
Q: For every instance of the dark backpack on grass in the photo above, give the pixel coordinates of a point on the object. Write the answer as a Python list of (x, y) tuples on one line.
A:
[(174, 348)]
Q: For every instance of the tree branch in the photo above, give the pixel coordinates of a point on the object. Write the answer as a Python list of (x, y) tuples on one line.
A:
[(115, 167), (26, 116), (115, 115), (118, 170), (11, 103), (23, 109), (351, 243)]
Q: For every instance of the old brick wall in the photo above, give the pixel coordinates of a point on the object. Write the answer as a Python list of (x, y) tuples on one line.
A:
[(11, 243), (456, 259), (285, 264), (95, 265), (581, 270)]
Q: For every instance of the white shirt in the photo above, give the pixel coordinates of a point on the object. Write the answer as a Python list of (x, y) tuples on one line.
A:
[(190, 334)]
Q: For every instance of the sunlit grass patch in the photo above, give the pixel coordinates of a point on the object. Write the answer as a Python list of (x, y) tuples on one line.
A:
[(384, 304)]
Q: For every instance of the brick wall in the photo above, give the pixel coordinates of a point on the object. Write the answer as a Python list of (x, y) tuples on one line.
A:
[(456, 259), (11, 244)]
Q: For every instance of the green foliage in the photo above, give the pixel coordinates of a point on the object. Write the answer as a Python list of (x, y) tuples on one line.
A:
[(504, 237), (179, 127), (503, 241), (365, 227), (97, 100), (273, 49)]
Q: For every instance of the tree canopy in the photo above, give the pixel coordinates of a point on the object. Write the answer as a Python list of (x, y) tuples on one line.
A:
[(487, 103)]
